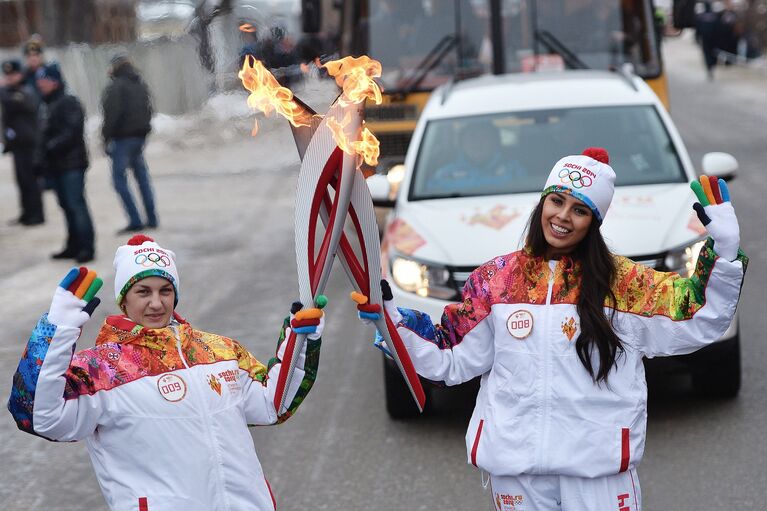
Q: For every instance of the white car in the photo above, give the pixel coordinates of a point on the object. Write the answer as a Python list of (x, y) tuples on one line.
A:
[(476, 166)]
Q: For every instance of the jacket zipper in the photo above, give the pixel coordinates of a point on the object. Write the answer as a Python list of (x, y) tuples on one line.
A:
[(203, 408), (543, 458)]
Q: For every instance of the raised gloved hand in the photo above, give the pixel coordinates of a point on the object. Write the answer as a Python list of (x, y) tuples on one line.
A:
[(716, 213), (309, 321), (75, 298), (370, 312)]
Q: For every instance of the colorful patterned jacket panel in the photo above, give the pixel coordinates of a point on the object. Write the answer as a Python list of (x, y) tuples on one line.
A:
[(538, 409)]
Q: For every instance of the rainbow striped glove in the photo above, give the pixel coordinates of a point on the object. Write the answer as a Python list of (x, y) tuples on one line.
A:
[(716, 213), (309, 321), (75, 298)]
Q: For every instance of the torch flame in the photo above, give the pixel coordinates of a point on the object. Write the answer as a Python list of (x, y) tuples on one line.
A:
[(366, 149), (355, 77), (267, 95)]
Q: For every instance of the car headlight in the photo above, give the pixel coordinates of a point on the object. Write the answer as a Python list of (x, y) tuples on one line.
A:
[(395, 176), (683, 260), (422, 279)]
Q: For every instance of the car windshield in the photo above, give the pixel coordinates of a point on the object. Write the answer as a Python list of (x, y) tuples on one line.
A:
[(514, 152)]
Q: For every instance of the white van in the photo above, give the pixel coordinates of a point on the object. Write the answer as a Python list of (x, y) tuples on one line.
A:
[(478, 161)]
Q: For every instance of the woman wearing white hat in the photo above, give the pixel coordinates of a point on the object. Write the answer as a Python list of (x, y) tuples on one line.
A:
[(557, 332), (162, 407)]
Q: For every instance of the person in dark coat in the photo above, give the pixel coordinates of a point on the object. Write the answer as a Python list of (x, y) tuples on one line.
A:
[(127, 116), (63, 158), (706, 31), (19, 133)]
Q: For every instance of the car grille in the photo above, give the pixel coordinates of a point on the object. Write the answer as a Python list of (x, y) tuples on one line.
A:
[(394, 144), (459, 275), (391, 113)]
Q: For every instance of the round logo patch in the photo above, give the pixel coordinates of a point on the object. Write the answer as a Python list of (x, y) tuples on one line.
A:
[(172, 387), (112, 355), (520, 324)]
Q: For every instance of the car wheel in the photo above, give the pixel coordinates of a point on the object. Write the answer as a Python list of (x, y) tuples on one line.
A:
[(399, 401), (719, 376)]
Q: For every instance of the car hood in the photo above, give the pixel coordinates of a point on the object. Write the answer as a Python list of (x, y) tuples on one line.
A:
[(642, 220)]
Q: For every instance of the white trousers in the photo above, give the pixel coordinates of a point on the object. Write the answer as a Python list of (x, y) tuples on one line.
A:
[(619, 492)]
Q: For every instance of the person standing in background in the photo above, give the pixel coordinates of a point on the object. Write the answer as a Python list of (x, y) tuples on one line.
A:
[(34, 60), (127, 109), (19, 131), (706, 32), (62, 156)]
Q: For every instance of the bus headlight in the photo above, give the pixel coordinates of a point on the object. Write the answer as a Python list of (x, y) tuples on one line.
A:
[(682, 260), (422, 279)]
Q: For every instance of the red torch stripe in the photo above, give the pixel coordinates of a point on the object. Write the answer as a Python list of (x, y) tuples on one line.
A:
[(364, 288), (331, 166), (282, 379), (407, 364)]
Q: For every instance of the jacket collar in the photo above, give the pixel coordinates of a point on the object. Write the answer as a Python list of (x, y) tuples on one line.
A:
[(123, 330), (537, 267)]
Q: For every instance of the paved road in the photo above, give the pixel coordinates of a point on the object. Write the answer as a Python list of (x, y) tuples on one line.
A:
[(226, 208)]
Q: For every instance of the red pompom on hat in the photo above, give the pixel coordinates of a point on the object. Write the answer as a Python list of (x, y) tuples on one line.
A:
[(598, 153), (138, 239)]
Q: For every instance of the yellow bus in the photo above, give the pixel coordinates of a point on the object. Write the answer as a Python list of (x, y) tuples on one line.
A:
[(426, 43)]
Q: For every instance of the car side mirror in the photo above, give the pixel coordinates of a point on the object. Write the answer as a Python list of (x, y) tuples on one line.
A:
[(379, 188), (722, 165)]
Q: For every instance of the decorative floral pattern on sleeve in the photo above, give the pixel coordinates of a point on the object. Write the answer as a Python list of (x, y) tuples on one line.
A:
[(647, 292), (22, 400)]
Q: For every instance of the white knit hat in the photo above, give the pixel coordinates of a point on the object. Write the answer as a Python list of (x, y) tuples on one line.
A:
[(142, 258), (587, 177)]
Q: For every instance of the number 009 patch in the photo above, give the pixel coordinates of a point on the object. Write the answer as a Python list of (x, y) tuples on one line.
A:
[(172, 387), (520, 324)]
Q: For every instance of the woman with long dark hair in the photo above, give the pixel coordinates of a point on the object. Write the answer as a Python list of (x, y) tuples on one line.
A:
[(558, 330)]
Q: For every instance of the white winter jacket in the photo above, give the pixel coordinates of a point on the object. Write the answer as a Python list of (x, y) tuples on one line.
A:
[(538, 410), (164, 412)]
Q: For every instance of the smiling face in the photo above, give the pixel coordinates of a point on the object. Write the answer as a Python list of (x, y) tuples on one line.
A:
[(565, 221), (150, 302)]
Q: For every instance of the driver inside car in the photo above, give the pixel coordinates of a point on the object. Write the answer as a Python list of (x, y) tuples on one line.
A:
[(480, 166)]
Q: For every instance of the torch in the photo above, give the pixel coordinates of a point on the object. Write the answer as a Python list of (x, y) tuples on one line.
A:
[(331, 193)]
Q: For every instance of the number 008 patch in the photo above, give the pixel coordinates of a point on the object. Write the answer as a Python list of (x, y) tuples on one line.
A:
[(520, 324)]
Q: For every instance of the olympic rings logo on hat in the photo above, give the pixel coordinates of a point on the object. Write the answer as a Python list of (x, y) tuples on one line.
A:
[(153, 259), (575, 178)]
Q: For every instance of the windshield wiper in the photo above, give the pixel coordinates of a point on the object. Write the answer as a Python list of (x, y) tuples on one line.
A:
[(429, 62), (572, 61)]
